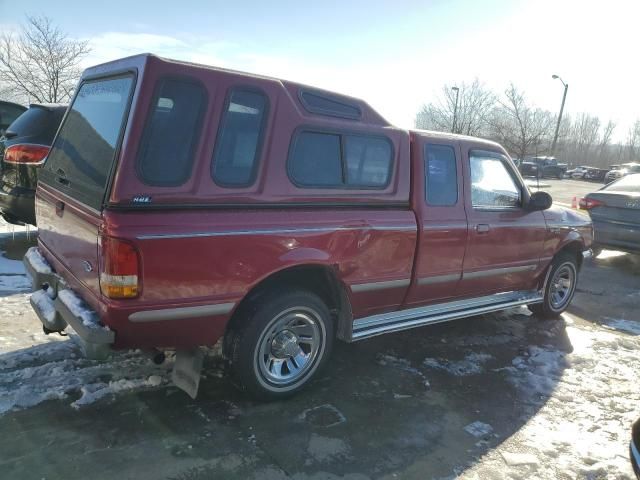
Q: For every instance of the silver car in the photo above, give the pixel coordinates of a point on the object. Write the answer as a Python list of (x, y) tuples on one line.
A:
[(623, 170), (615, 213)]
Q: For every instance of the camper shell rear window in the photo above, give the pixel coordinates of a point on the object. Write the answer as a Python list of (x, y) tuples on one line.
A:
[(83, 154)]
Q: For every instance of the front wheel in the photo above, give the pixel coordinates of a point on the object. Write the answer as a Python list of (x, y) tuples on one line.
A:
[(280, 346), (559, 289)]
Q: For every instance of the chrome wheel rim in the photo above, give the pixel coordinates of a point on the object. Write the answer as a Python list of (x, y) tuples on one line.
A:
[(289, 347), (562, 285)]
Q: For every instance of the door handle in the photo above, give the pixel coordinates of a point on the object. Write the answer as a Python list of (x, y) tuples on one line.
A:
[(482, 228)]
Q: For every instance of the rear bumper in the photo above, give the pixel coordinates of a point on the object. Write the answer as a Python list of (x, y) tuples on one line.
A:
[(57, 307), (616, 237)]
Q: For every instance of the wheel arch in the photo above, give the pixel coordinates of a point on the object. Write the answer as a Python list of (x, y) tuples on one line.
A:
[(574, 246), (319, 278)]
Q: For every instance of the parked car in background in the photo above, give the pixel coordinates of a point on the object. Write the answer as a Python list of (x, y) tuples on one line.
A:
[(543, 167), (595, 174), (9, 111), (615, 213), (621, 171), (634, 448), (578, 172), (23, 149), (184, 203)]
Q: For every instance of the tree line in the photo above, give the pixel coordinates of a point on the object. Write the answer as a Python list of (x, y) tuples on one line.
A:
[(525, 130)]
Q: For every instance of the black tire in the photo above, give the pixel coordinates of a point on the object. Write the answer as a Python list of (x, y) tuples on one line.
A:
[(563, 267), (259, 360)]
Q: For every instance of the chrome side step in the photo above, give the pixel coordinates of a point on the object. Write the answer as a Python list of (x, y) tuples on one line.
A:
[(441, 312)]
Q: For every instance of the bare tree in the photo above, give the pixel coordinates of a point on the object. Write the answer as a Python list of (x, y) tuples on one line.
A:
[(41, 63), (584, 136), (475, 102), (520, 127), (605, 141), (633, 143)]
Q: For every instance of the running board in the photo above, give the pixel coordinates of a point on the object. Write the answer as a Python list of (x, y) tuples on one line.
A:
[(441, 312)]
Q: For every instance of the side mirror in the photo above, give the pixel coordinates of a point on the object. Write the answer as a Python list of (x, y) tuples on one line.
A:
[(539, 201)]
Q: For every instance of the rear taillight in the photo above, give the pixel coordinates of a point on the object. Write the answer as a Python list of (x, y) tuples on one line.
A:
[(119, 269), (589, 203), (26, 154)]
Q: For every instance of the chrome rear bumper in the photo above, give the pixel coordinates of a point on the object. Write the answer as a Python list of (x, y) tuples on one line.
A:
[(57, 306)]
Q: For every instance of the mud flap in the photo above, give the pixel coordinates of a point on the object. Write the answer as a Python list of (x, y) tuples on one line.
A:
[(186, 370)]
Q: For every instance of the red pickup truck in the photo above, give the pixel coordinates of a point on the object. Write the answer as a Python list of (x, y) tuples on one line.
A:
[(182, 203)]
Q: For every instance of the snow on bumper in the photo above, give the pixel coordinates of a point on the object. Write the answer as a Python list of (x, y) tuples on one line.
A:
[(58, 306)]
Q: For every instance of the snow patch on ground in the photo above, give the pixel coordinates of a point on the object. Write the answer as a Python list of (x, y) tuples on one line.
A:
[(627, 326), (584, 400), (478, 429), (471, 364), (15, 283), (11, 267), (403, 364), (58, 370)]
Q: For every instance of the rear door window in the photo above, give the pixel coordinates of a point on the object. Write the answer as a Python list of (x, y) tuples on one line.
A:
[(167, 147), (81, 158), (237, 149), (441, 175)]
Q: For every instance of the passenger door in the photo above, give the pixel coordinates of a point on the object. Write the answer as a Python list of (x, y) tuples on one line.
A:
[(438, 200), (505, 240)]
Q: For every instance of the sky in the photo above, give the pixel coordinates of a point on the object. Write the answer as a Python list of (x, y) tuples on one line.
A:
[(395, 54)]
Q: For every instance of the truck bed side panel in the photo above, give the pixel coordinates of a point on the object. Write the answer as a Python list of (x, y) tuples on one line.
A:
[(216, 257)]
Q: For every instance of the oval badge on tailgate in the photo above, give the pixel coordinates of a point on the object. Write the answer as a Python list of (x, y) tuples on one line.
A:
[(87, 266)]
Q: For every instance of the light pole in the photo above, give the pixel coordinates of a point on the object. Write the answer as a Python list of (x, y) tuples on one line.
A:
[(455, 109), (564, 97)]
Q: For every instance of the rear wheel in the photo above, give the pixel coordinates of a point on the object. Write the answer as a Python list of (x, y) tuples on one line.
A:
[(281, 345), (560, 287)]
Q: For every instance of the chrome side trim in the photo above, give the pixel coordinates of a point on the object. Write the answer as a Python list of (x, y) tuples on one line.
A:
[(439, 279), (587, 254), (370, 287), (274, 231), (181, 313), (442, 312), (497, 271)]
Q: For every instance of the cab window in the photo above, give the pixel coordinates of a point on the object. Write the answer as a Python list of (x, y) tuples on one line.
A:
[(492, 185), (441, 175)]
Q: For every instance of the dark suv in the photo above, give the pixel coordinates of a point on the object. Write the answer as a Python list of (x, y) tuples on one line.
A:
[(9, 111), (23, 149), (543, 167)]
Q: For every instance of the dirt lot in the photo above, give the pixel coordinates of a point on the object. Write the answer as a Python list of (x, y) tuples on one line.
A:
[(491, 397)]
